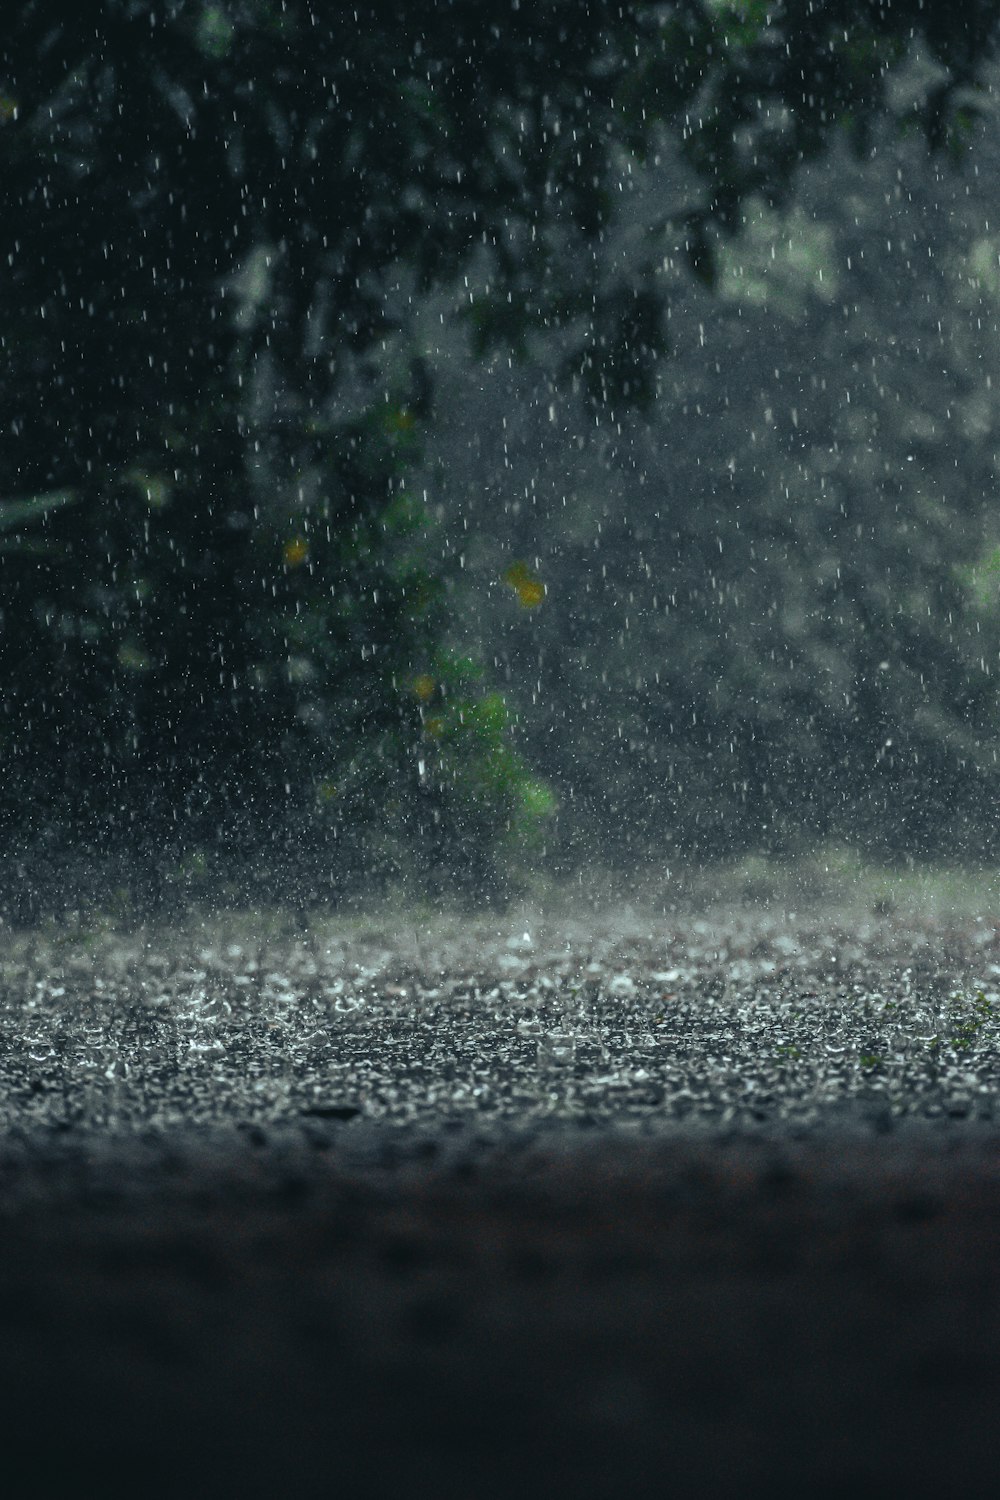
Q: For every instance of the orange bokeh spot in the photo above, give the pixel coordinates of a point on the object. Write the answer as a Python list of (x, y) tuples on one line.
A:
[(531, 593), (528, 587)]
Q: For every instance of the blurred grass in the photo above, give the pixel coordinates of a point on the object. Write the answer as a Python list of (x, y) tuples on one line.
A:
[(832, 878)]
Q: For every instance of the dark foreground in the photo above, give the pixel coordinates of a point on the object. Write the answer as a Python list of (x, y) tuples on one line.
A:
[(666, 1207), (575, 1318)]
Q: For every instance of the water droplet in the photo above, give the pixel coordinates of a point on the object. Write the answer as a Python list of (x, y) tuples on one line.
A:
[(557, 1049)]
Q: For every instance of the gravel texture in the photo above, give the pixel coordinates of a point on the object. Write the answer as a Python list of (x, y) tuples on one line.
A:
[(603, 1204)]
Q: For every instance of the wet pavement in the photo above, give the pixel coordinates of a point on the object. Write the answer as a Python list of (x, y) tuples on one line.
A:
[(504, 1204), (634, 1020)]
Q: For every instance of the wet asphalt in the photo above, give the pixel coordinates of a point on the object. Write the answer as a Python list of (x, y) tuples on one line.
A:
[(503, 1024), (503, 1203)]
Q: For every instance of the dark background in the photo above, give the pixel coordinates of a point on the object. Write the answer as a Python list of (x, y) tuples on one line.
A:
[(446, 445)]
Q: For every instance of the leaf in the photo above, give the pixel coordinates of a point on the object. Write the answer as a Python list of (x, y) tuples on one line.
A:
[(16, 513)]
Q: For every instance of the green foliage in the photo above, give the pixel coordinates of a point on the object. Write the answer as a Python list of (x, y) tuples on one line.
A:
[(223, 623), (15, 515), (467, 757), (772, 608)]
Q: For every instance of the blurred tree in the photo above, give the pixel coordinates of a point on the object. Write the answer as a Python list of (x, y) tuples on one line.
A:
[(771, 607), (214, 218)]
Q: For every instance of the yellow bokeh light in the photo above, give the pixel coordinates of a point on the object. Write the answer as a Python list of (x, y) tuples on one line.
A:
[(424, 686), (528, 587), (296, 551), (531, 593)]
